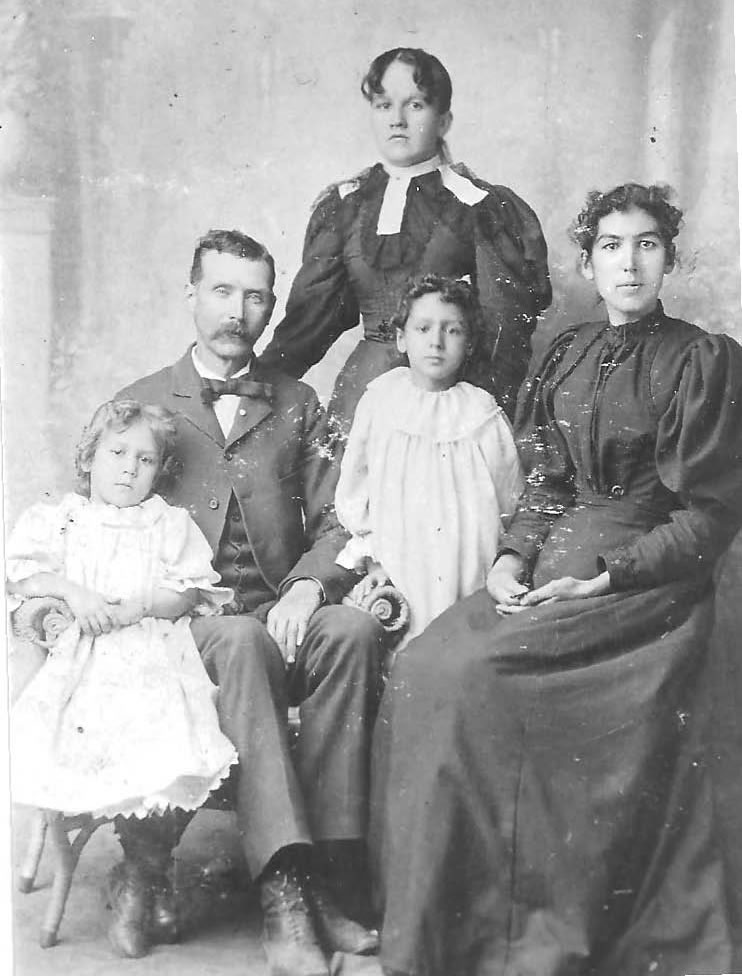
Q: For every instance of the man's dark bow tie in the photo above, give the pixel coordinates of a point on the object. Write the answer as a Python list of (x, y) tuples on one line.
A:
[(211, 390)]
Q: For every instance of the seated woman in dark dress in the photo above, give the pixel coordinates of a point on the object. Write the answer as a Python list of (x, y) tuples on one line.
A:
[(411, 214), (541, 800)]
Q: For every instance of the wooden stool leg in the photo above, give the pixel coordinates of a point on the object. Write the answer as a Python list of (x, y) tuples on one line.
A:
[(86, 831), (66, 855), (64, 866), (35, 847)]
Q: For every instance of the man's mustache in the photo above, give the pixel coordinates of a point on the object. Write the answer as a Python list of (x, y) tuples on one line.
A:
[(235, 328)]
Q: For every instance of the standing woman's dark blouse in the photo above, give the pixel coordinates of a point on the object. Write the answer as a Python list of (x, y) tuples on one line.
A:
[(453, 224)]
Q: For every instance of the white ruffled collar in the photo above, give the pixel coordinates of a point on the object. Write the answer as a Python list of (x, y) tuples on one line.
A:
[(145, 514), (445, 415)]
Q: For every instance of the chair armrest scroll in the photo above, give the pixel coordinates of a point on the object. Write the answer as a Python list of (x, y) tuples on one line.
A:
[(41, 620), (390, 608)]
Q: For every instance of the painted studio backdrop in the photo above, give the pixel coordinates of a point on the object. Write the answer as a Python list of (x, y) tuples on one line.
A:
[(128, 129)]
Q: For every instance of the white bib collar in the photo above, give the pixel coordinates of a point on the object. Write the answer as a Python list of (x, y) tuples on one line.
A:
[(395, 194)]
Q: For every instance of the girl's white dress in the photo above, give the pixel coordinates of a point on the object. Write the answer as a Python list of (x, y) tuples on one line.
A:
[(124, 723), (424, 482)]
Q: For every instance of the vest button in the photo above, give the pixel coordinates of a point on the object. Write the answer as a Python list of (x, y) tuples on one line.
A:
[(617, 491), (228, 455), (213, 503)]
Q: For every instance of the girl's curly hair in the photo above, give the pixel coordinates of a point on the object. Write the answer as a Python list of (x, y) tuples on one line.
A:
[(654, 200), (119, 415), (453, 291)]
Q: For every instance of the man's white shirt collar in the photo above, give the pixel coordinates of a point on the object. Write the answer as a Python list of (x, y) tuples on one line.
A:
[(225, 407), (210, 375)]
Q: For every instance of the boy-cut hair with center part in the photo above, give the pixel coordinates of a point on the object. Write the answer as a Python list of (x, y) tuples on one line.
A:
[(232, 242)]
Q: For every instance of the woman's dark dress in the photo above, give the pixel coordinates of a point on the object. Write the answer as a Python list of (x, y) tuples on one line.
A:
[(349, 270), (541, 797)]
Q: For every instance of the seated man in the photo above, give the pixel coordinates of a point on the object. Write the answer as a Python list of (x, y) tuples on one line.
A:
[(259, 481)]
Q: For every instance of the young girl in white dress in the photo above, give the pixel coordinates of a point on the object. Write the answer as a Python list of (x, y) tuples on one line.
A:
[(430, 467), (121, 718)]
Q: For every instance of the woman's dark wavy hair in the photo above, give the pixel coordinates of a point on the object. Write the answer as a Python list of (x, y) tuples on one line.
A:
[(427, 72), (654, 200), (119, 415), (453, 291)]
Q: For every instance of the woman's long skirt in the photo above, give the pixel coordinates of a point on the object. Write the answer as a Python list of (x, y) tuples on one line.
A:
[(541, 801)]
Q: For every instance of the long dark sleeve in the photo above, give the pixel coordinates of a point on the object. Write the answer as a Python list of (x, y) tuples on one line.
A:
[(324, 535), (513, 282), (321, 304), (699, 458), (549, 470)]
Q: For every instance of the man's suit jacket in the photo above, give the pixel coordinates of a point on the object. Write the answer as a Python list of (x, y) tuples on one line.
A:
[(275, 460)]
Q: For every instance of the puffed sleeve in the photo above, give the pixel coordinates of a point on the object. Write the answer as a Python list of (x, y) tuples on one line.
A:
[(501, 455), (352, 496), (321, 305), (35, 545), (185, 562), (699, 458), (512, 274)]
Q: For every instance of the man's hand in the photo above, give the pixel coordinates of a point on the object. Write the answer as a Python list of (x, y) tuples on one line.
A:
[(93, 612), (287, 620)]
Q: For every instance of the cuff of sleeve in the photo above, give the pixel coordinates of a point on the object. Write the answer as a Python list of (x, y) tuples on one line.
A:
[(210, 599), (621, 568), (355, 553), (527, 553), (293, 579), (507, 550)]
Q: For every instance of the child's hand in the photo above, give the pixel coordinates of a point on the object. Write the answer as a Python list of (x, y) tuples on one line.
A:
[(128, 612), (92, 611)]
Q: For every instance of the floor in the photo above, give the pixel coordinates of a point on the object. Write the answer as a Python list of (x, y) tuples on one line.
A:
[(222, 919)]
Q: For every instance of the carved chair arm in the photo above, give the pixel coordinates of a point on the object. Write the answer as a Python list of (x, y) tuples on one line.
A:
[(390, 608), (41, 620)]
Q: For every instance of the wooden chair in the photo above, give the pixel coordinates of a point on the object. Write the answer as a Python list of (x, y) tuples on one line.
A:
[(40, 621)]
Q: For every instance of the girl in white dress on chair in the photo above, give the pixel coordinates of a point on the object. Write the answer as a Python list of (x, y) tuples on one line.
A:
[(430, 466), (121, 718)]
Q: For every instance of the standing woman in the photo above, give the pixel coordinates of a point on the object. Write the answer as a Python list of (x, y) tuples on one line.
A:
[(542, 791), (411, 214)]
